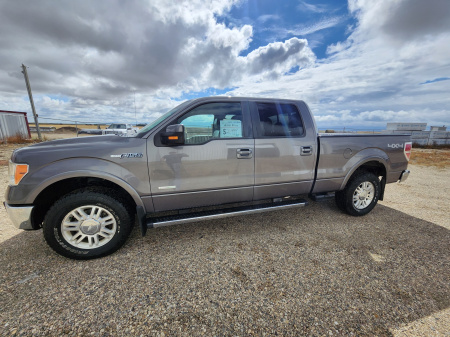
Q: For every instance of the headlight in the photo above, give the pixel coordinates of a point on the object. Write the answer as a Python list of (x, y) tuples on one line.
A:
[(16, 172)]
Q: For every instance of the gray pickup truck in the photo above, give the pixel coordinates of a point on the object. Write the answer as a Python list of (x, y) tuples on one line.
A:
[(205, 159)]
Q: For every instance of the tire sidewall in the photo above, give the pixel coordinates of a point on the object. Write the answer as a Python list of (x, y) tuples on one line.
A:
[(55, 216)]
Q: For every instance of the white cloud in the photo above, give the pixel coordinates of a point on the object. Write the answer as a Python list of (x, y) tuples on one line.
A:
[(315, 8), (98, 53), (321, 25), (306, 29), (279, 57), (374, 76), (338, 47), (402, 20), (268, 17)]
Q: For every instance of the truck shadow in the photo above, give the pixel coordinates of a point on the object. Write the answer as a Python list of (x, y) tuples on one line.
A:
[(303, 271)]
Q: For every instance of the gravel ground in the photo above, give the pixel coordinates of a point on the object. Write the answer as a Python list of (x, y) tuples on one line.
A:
[(308, 271)]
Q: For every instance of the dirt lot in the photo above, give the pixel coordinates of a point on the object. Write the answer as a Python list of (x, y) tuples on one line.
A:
[(309, 271)]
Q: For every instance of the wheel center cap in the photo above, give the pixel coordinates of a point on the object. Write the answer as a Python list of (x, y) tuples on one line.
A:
[(90, 227)]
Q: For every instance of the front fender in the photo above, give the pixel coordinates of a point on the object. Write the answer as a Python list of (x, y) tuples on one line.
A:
[(36, 181)]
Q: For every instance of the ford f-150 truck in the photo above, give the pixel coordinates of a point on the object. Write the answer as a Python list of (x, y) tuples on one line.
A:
[(205, 159)]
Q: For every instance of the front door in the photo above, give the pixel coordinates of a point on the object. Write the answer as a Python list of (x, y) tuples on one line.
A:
[(214, 166)]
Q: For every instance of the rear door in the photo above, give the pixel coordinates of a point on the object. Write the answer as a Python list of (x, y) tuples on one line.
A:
[(285, 150), (214, 166)]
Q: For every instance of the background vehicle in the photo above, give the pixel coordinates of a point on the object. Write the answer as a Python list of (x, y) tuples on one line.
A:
[(125, 130), (207, 158), (97, 131)]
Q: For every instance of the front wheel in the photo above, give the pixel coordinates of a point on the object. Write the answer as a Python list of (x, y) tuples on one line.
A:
[(360, 195), (87, 224)]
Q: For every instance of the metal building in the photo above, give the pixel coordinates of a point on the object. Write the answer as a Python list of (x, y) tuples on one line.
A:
[(406, 126), (14, 123), (438, 128)]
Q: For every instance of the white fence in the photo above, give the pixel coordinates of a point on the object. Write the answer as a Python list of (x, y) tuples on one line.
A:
[(13, 123), (425, 137)]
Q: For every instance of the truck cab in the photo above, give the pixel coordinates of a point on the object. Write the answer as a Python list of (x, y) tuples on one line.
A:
[(233, 151)]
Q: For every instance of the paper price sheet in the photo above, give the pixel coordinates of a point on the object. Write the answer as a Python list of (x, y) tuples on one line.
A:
[(230, 129)]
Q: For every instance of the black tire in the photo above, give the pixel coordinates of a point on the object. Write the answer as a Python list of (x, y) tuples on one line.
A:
[(91, 219), (360, 195)]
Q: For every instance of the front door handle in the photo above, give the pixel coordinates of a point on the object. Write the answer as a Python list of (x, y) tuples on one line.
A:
[(306, 151), (244, 153)]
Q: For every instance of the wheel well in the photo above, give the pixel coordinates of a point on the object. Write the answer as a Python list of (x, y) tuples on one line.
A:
[(376, 168), (52, 193)]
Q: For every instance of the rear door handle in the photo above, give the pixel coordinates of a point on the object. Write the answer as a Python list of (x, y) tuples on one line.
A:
[(244, 153), (306, 150)]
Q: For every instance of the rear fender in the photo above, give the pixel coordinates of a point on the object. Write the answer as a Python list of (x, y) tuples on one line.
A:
[(363, 157)]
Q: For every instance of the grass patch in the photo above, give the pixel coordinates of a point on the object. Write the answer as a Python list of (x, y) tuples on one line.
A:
[(19, 139), (436, 147), (431, 157)]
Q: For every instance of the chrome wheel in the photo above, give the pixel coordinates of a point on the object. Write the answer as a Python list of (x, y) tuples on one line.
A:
[(88, 227), (363, 195)]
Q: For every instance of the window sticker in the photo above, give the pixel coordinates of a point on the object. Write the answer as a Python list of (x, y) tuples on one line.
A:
[(230, 128)]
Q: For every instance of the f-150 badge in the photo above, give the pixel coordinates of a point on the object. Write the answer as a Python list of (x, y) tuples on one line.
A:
[(127, 155)]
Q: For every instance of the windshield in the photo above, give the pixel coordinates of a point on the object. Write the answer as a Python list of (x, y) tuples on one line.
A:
[(159, 120)]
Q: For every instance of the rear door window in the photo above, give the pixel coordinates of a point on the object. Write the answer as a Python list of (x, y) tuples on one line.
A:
[(279, 120)]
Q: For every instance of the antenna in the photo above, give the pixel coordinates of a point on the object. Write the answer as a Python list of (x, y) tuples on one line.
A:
[(135, 118)]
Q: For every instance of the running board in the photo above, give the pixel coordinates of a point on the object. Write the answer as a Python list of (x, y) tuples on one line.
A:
[(223, 213)]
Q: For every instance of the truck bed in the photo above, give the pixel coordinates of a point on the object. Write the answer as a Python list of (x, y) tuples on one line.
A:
[(339, 153)]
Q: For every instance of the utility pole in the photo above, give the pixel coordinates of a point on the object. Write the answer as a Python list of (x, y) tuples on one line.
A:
[(30, 95)]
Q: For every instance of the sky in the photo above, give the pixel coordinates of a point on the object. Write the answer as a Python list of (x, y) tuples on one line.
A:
[(358, 64)]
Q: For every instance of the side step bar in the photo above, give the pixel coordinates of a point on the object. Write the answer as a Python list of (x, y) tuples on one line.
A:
[(322, 196), (223, 213)]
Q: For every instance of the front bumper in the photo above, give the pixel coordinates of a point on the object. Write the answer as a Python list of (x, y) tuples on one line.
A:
[(404, 176), (20, 216)]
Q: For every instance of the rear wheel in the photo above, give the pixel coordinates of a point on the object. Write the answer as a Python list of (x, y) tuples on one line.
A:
[(87, 224), (360, 195)]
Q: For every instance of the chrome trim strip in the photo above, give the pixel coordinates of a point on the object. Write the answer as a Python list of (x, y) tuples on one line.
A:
[(161, 194), (224, 215), (20, 216)]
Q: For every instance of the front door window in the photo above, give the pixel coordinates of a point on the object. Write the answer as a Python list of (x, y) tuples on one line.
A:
[(212, 121)]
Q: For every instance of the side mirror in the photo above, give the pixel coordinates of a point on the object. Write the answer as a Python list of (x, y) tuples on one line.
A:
[(174, 135)]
